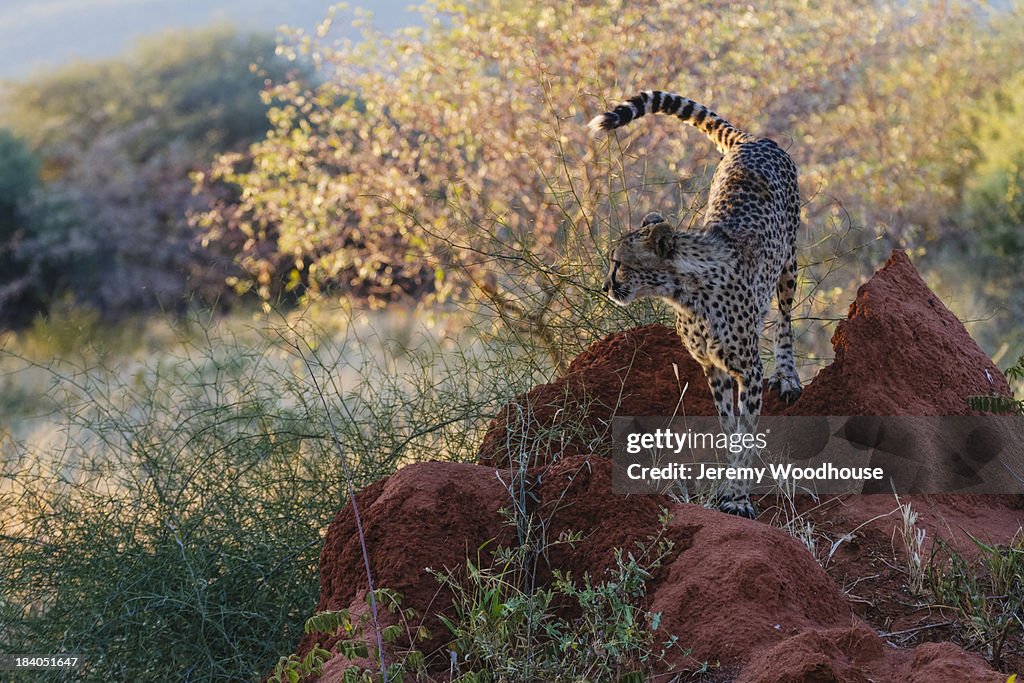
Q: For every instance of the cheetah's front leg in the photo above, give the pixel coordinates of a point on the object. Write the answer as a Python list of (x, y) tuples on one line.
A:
[(733, 496)]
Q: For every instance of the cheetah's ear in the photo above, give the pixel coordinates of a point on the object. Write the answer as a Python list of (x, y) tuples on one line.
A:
[(651, 219), (660, 240)]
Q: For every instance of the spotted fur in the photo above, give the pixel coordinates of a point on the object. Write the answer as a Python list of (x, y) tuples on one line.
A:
[(720, 278)]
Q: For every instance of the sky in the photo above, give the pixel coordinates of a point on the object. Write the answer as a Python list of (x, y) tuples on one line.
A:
[(36, 34)]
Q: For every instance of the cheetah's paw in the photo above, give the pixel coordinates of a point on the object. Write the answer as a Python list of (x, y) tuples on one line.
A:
[(788, 386), (741, 507)]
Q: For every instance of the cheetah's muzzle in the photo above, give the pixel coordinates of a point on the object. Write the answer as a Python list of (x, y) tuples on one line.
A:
[(613, 289)]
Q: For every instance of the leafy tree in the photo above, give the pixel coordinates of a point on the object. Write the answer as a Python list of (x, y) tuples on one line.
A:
[(993, 202), (19, 171), (118, 141), (467, 167), (201, 87), (985, 248)]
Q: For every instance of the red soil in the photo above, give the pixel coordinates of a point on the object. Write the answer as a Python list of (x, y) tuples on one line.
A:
[(743, 595)]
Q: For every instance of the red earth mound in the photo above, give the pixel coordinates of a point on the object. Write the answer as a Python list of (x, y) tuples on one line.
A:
[(743, 595), (900, 352)]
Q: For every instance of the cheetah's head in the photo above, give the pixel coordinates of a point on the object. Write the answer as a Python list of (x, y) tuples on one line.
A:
[(641, 262)]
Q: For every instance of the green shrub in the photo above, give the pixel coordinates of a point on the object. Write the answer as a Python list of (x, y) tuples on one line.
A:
[(505, 627), (995, 403), (405, 661), (986, 595), (163, 518), (195, 87)]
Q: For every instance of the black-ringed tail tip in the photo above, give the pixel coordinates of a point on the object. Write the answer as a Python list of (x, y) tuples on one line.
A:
[(721, 132), (603, 122)]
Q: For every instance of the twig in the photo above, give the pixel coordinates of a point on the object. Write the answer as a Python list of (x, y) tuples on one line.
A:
[(352, 499), (916, 629)]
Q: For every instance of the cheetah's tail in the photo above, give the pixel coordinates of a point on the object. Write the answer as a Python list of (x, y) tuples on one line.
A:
[(721, 132)]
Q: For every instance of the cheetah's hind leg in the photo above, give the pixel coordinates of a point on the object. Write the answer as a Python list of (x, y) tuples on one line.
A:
[(785, 379)]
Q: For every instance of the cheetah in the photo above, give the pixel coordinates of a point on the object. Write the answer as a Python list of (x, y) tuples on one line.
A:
[(719, 278)]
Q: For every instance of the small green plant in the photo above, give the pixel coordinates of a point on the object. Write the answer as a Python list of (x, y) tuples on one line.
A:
[(504, 629), (987, 595), (913, 538), (294, 668), (995, 403), (407, 662)]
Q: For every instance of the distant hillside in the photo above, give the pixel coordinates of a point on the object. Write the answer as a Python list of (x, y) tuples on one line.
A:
[(47, 33)]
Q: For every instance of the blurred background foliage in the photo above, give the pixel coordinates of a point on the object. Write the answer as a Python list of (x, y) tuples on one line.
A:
[(99, 157), (451, 160)]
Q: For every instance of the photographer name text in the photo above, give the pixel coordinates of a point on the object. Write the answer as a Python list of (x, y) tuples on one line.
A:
[(778, 472)]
